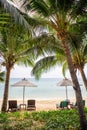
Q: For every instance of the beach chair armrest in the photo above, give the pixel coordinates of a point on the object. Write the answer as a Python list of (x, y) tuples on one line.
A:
[(31, 106)]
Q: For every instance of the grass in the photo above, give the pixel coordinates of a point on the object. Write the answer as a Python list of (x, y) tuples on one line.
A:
[(51, 120)]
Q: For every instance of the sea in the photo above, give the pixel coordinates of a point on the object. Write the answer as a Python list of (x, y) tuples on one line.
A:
[(46, 89)]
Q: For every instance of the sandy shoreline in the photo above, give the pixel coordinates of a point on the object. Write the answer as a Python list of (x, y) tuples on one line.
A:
[(45, 104)]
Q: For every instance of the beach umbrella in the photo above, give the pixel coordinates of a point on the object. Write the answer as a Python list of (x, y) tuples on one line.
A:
[(65, 82), (24, 83)]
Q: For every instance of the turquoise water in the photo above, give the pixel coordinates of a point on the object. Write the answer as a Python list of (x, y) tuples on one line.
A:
[(46, 89)]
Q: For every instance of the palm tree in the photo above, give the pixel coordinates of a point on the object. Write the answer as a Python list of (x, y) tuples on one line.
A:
[(79, 59), (55, 56), (57, 16), (17, 47), (13, 50)]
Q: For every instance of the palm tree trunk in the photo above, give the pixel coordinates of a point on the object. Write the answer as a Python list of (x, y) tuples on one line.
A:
[(76, 86), (83, 77), (6, 90)]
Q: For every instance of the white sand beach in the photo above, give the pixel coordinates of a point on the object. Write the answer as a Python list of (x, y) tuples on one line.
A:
[(46, 104)]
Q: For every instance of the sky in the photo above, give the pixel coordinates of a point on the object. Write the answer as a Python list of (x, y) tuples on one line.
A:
[(21, 71), (25, 72)]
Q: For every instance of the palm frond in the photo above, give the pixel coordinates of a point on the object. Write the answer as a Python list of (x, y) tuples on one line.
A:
[(32, 21), (80, 8), (13, 47), (25, 61), (16, 13), (46, 63), (43, 65), (41, 6), (85, 50), (2, 76), (59, 5), (4, 18), (64, 68)]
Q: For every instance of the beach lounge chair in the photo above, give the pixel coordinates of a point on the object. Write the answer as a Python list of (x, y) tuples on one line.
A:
[(31, 105), (63, 104), (75, 106), (12, 105)]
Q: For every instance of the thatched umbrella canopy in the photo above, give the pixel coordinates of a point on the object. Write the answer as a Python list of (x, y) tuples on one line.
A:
[(24, 83), (65, 82)]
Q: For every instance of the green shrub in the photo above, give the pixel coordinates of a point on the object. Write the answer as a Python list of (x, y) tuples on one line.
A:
[(35, 115), (50, 120), (27, 115)]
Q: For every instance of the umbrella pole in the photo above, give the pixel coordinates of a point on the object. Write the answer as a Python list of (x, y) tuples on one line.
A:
[(66, 93), (23, 93)]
